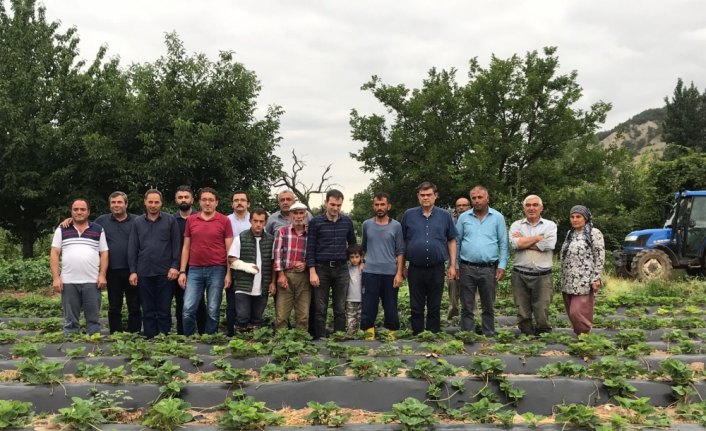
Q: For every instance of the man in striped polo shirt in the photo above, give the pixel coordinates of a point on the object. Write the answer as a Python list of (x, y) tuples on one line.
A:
[(84, 262)]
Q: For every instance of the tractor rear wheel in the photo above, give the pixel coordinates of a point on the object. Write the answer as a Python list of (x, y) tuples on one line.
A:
[(651, 265)]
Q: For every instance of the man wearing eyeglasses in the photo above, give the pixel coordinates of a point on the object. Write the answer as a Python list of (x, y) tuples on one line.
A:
[(207, 237)]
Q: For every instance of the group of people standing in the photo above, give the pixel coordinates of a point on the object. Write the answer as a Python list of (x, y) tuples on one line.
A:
[(197, 257)]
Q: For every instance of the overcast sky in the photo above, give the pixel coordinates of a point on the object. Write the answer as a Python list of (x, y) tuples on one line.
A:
[(312, 56)]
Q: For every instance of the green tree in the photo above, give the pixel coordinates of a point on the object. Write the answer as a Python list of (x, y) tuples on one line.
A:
[(685, 122), (514, 127), (193, 122), (42, 112)]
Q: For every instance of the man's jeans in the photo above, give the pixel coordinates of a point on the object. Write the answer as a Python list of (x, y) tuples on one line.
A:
[(334, 279), (84, 296), (533, 295), (249, 310), (198, 280), (482, 280), (377, 287), (179, 310), (119, 286), (426, 286), (156, 299)]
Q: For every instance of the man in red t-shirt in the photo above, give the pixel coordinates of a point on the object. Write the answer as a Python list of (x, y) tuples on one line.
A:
[(207, 239)]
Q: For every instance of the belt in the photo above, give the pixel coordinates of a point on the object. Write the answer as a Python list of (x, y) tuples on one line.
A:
[(331, 263), (492, 264), (532, 273)]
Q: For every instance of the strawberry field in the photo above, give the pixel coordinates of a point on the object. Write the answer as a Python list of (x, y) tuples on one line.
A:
[(641, 367)]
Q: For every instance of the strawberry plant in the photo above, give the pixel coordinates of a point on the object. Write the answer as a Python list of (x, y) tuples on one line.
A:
[(562, 369), (365, 369), (271, 372), (578, 416), (640, 412), (37, 372), (100, 373), (26, 350), (247, 414), (167, 414), (591, 345), (328, 414), (15, 414), (412, 414), (81, 415)]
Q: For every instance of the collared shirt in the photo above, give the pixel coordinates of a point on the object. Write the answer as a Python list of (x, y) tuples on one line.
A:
[(426, 238), (117, 233), (181, 222), (482, 241), (80, 252), (329, 240), (289, 248), (154, 245), (239, 225), (208, 239), (382, 243), (276, 221), (530, 259)]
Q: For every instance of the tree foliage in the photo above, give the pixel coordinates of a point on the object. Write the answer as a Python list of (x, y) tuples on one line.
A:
[(513, 127), (69, 129), (685, 122)]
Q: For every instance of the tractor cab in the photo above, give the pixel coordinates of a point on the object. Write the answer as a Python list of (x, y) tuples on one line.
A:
[(653, 253)]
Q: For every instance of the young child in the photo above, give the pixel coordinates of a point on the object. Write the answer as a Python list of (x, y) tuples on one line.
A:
[(354, 297)]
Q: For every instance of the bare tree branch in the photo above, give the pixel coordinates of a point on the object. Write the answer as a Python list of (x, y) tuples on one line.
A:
[(301, 190)]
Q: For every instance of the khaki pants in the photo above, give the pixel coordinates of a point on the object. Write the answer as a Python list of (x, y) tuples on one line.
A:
[(297, 296)]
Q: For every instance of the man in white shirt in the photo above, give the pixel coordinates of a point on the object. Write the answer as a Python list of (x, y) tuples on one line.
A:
[(84, 263), (250, 258)]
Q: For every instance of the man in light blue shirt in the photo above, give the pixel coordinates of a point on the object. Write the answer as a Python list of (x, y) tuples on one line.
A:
[(483, 254)]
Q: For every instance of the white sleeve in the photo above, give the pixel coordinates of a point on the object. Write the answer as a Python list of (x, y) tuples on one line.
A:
[(102, 243), (56, 239), (235, 247)]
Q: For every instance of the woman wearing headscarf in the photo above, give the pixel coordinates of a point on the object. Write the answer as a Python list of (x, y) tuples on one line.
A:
[(582, 259)]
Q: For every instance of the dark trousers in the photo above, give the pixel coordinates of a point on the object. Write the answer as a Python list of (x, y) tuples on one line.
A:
[(376, 288), (156, 300), (249, 309), (335, 280), (230, 309), (119, 287), (482, 280), (179, 310), (426, 285)]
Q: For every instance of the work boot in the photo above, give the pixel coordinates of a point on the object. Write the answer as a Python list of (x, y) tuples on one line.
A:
[(370, 334)]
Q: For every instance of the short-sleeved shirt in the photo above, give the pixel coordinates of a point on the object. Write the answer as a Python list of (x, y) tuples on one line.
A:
[(80, 252), (117, 234), (483, 241), (239, 225), (382, 243), (208, 246), (426, 238)]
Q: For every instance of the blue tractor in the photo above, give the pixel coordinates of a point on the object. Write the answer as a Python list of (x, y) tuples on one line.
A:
[(653, 253)]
